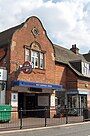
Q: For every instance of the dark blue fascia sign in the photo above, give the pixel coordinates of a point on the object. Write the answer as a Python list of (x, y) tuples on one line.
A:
[(78, 91), (36, 85)]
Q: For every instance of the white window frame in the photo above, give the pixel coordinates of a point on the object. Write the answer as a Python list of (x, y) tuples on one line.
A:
[(33, 55), (27, 54), (41, 60), (85, 69)]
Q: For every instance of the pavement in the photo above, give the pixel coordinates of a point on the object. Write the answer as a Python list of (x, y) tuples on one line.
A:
[(38, 122), (82, 125)]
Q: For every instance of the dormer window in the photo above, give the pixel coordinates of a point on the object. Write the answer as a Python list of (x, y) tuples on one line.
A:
[(89, 67), (85, 69)]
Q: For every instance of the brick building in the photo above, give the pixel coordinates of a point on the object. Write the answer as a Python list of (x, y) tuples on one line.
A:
[(40, 74)]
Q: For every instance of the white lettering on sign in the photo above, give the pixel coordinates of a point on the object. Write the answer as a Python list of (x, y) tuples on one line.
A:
[(43, 85)]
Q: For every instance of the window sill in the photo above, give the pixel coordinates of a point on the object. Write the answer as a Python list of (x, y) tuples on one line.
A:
[(37, 70)]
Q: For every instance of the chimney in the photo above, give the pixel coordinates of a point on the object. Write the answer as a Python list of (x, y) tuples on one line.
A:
[(74, 49)]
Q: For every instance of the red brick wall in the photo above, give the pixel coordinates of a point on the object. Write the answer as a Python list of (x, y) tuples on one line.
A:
[(60, 75), (57, 74), (23, 37), (71, 78), (74, 82), (2, 52), (85, 84)]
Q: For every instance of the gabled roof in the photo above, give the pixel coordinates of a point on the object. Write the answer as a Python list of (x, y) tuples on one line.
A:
[(65, 56), (6, 36)]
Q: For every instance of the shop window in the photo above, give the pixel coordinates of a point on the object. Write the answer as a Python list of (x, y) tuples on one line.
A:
[(83, 101), (72, 101)]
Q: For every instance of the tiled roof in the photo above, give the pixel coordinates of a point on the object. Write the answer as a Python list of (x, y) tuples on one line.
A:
[(87, 56), (65, 56), (6, 36)]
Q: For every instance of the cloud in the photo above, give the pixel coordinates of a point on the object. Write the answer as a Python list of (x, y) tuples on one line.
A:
[(66, 21)]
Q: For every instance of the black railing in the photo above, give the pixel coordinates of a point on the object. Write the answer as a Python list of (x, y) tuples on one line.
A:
[(41, 117)]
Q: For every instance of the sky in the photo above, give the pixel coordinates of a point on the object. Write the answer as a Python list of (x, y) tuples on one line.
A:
[(66, 22)]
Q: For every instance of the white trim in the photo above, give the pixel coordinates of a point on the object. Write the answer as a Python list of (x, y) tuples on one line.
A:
[(83, 89)]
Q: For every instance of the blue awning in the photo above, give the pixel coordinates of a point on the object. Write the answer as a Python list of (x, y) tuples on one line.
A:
[(36, 85), (77, 91)]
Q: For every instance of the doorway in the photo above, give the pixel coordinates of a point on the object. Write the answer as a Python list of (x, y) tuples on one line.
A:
[(28, 103), (33, 104)]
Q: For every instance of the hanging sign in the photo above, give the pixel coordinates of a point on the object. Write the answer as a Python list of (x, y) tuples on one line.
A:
[(26, 67)]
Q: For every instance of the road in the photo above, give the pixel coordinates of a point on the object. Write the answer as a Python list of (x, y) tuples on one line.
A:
[(72, 130)]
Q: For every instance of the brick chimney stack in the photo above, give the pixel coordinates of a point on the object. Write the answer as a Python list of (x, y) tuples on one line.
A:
[(74, 49)]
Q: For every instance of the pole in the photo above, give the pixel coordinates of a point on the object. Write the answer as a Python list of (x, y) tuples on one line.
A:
[(66, 114), (45, 117), (21, 118)]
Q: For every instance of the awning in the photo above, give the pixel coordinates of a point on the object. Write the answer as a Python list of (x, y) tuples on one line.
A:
[(78, 91), (36, 85)]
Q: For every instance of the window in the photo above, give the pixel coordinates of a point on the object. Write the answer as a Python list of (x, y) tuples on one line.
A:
[(41, 60), (83, 101), (85, 69), (36, 57), (72, 101), (27, 54)]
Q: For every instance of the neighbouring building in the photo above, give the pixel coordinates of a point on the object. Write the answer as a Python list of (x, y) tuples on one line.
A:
[(37, 74)]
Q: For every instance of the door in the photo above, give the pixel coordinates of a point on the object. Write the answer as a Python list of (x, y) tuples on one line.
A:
[(31, 102)]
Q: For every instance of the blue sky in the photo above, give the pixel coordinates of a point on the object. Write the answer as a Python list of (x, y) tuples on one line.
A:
[(67, 22)]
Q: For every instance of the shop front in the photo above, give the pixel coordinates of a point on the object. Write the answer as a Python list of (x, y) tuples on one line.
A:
[(76, 101), (34, 97)]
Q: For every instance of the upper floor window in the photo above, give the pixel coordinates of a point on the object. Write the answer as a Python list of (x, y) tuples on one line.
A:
[(41, 60), (35, 59), (35, 56), (27, 54), (89, 67), (85, 69)]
